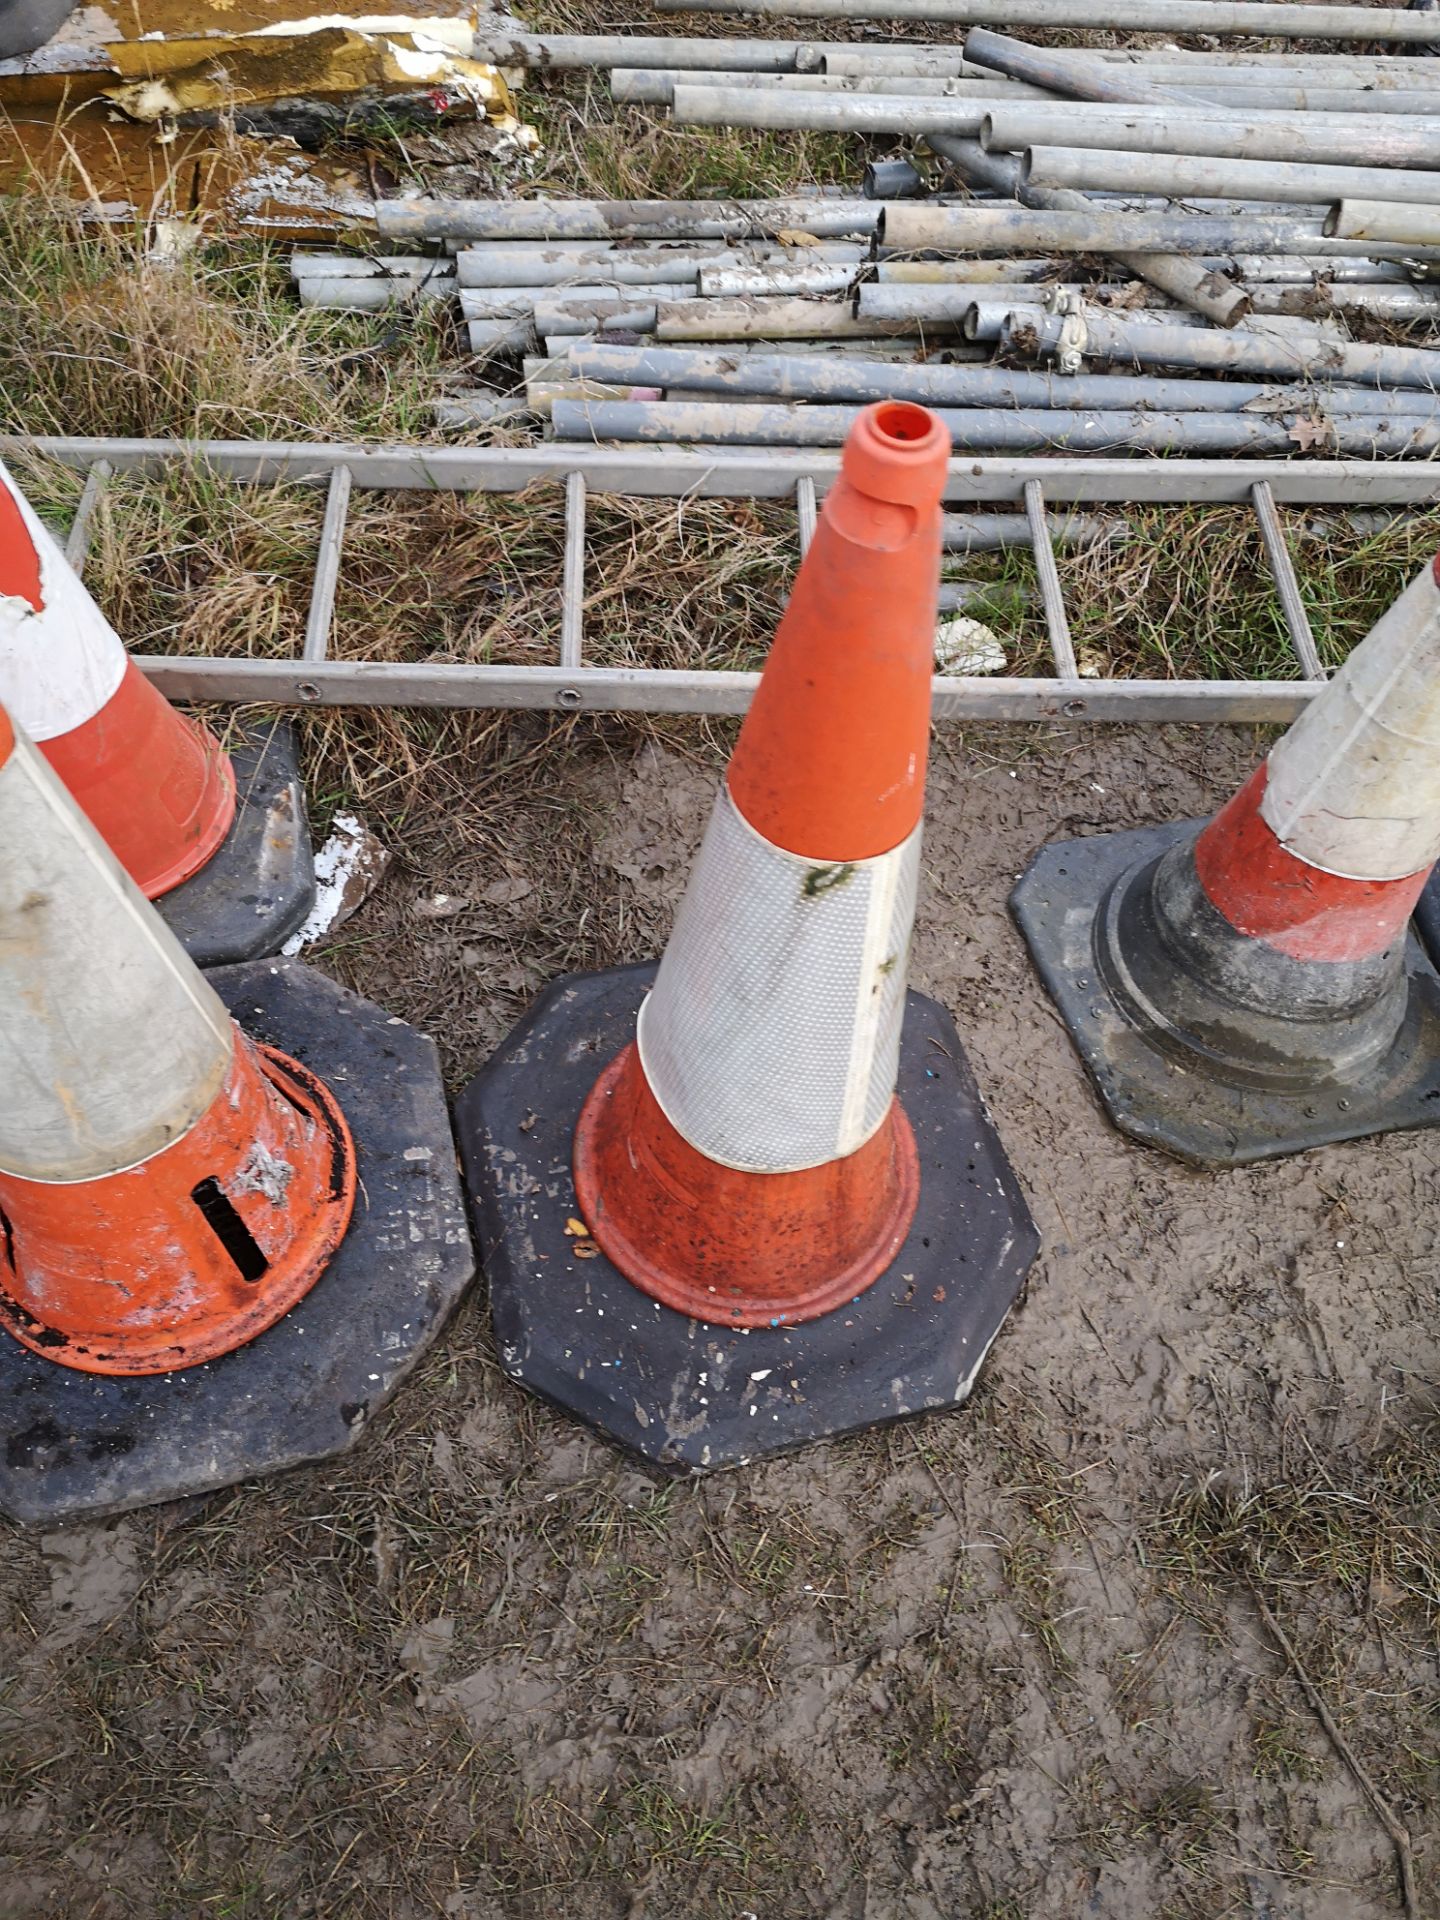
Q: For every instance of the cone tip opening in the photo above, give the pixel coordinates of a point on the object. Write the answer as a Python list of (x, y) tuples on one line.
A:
[(899, 452)]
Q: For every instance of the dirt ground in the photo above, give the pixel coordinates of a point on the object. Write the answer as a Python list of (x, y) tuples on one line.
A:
[(1008, 1664)]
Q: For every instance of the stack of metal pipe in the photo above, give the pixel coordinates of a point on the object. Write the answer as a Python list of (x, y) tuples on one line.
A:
[(531, 274), (1260, 258), (1145, 251), (1297, 134)]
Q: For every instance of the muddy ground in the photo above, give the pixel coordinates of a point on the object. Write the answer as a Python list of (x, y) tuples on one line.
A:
[(1008, 1664)]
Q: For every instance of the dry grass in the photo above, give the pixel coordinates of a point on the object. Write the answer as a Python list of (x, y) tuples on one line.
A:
[(1187, 593), (594, 147), (98, 338), (701, 584)]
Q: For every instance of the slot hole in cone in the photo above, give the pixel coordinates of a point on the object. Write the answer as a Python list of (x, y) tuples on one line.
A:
[(231, 1231)]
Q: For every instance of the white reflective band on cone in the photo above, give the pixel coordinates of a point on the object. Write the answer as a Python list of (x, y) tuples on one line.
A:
[(112, 1045), (771, 1038), (58, 667), (1354, 786)]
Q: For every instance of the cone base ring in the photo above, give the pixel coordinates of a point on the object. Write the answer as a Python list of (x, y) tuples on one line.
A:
[(286, 1283), (803, 1299), (1154, 1096), (260, 885), (78, 1445), (691, 1397)]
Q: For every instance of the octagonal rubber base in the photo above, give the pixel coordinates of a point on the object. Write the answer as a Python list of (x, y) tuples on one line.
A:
[(692, 1397), (1152, 1095), (75, 1444), (260, 885)]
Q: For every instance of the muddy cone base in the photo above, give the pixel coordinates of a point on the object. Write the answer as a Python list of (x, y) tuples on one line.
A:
[(260, 884), (1151, 1095), (691, 1397), (78, 1445)]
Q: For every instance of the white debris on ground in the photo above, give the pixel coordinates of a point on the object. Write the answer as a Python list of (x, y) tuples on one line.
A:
[(290, 182), (967, 647), (348, 868)]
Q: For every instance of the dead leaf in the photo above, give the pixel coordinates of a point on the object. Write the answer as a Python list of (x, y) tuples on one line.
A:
[(577, 1229), (506, 892), (585, 1250), (792, 237), (1311, 430), (1131, 295)]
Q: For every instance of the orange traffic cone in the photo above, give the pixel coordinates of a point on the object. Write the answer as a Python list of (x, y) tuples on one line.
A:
[(1246, 987), (169, 1187), (760, 1091), (745, 1161), (157, 786)]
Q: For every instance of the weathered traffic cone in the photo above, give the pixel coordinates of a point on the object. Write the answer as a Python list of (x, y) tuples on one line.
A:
[(233, 882), (738, 1239), (170, 1189), (1247, 987)]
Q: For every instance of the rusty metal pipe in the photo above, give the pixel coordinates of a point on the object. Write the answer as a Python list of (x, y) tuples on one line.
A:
[(1064, 73), (779, 319), (979, 430), (948, 305), (522, 264), (984, 229), (569, 51), (893, 180), (819, 216), (1170, 272), (1079, 75), (991, 532), (1279, 17), (655, 86), (1032, 332), (1328, 139), (936, 273), (723, 281), (1169, 66), (1384, 221), (703, 106), (787, 376), (1057, 169)]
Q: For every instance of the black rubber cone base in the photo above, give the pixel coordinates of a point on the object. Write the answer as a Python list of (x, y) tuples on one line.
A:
[(260, 885), (1427, 909), (692, 1397), (77, 1445), (1154, 1096)]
